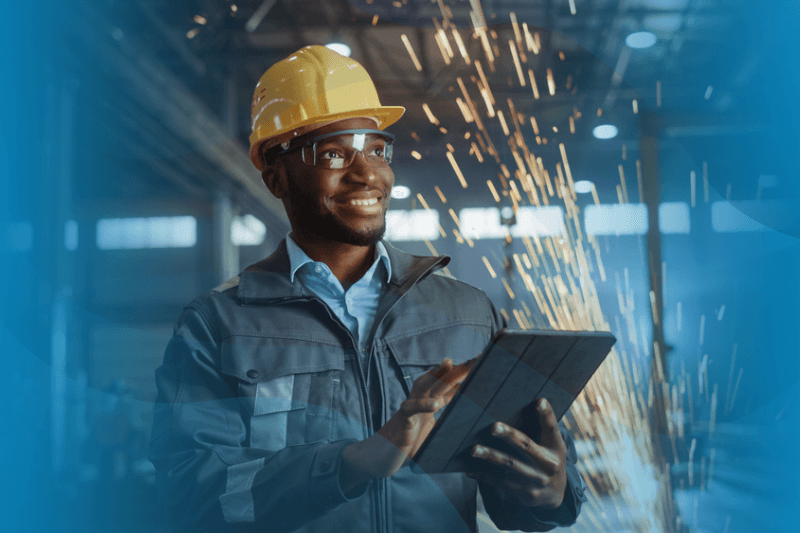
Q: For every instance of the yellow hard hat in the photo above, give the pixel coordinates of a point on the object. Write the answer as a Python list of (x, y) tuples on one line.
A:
[(312, 87)]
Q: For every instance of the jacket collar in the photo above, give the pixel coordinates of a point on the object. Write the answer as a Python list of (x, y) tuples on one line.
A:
[(269, 279)]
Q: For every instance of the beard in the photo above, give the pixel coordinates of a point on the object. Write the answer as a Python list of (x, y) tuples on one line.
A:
[(308, 217)]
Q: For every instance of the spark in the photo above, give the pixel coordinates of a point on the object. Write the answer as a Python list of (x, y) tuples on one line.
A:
[(456, 169), (736, 389), (635, 104), (508, 288), (199, 19), (422, 201), (485, 81), (445, 42), (572, 9), (489, 267), (551, 82), (572, 125), (374, 20), (503, 122), (431, 117), (411, 53), (653, 307), (517, 64), (534, 87), (416, 155), (191, 34), (441, 195), (708, 92), (594, 195), (475, 150), (530, 43), (234, 8), (721, 312), (534, 126), (468, 118), (461, 48), (493, 191), (442, 49)]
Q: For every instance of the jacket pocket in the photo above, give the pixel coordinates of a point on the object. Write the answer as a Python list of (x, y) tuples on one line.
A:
[(289, 389), (415, 354)]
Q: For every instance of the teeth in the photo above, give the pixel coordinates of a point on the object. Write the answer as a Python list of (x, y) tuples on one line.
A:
[(370, 201)]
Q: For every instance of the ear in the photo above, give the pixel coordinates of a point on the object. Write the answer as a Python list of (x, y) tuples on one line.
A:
[(274, 177)]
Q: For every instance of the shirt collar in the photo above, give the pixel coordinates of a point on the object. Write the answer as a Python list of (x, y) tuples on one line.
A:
[(298, 258)]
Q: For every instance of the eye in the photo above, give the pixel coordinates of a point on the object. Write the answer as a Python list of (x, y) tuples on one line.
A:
[(331, 154)]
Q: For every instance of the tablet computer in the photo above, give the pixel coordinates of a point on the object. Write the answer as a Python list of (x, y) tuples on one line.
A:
[(517, 368)]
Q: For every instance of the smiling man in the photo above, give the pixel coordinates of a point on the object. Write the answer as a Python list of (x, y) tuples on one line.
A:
[(292, 396)]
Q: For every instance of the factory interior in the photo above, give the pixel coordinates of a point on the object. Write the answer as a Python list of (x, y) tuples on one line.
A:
[(619, 165)]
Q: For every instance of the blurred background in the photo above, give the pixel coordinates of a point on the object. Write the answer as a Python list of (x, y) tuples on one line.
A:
[(127, 191)]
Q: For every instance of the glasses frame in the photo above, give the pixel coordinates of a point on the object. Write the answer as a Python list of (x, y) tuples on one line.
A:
[(313, 140)]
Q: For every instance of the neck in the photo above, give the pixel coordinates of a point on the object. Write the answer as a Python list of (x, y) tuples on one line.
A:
[(348, 262)]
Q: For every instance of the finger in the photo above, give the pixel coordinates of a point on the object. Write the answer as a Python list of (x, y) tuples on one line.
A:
[(551, 436), (547, 460), (413, 407), (508, 466)]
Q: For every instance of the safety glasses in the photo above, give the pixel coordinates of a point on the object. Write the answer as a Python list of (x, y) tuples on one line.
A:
[(337, 150)]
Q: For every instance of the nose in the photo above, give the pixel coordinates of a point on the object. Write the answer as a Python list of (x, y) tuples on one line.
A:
[(360, 170)]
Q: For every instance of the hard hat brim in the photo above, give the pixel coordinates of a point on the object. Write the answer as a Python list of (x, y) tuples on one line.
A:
[(386, 115)]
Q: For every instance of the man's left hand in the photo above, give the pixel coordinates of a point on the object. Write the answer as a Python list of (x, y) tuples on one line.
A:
[(540, 478)]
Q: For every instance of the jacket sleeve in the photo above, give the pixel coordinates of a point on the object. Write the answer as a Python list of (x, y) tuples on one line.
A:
[(507, 512), (208, 479)]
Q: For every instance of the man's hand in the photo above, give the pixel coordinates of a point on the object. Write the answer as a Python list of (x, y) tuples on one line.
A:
[(382, 454), (538, 480)]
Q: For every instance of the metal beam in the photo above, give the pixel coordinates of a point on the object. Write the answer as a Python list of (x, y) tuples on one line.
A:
[(157, 89)]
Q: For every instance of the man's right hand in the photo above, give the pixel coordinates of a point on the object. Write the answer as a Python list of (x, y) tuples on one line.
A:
[(385, 452)]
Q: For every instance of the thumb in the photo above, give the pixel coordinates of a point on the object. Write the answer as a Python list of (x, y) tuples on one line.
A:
[(551, 435)]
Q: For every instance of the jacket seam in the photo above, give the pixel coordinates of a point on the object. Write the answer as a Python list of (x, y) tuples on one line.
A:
[(281, 336), (427, 329)]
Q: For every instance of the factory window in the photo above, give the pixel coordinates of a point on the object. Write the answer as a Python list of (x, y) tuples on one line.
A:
[(615, 219), (673, 217), (416, 225), (484, 223), (151, 232), (247, 231)]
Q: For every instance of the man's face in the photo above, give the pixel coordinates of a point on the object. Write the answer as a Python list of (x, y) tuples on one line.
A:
[(342, 205)]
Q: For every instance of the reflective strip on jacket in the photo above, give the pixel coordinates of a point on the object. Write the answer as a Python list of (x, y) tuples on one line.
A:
[(262, 386)]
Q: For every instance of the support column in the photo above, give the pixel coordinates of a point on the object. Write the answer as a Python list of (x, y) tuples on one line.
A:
[(225, 253), (650, 128)]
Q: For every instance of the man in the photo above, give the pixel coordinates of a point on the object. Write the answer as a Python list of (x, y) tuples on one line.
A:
[(292, 396)]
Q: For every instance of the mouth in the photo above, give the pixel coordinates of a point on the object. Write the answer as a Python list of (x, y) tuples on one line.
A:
[(363, 206)]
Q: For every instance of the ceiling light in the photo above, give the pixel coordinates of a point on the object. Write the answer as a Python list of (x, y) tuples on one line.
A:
[(583, 187), (605, 131), (400, 192), (340, 48), (641, 39)]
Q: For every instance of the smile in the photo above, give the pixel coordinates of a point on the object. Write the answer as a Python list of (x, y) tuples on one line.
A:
[(369, 201)]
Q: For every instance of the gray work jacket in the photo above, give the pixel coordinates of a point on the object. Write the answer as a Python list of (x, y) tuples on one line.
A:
[(262, 386)]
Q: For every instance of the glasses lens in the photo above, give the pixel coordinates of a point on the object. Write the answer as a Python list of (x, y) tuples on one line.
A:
[(340, 151)]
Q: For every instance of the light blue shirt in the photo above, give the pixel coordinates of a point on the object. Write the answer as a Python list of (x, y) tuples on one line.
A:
[(355, 307)]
